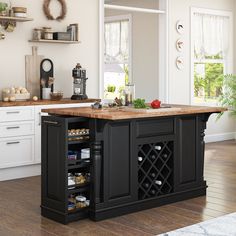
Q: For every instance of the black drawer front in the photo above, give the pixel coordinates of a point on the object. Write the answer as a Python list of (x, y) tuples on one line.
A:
[(155, 127)]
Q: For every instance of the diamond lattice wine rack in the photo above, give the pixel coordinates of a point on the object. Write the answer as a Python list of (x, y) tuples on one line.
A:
[(155, 164)]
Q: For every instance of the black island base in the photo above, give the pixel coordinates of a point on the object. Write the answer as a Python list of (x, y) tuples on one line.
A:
[(101, 168)]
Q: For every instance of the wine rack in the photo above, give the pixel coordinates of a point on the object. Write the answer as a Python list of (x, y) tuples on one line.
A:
[(155, 169)]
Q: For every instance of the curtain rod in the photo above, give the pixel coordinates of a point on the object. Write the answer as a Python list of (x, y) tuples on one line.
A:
[(137, 9)]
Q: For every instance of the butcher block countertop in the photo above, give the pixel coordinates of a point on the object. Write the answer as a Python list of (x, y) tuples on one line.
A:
[(131, 113), (46, 102)]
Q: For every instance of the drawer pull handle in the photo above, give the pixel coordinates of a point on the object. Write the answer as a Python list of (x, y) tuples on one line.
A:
[(15, 127), (51, 122), (11, 143), (12, 112)]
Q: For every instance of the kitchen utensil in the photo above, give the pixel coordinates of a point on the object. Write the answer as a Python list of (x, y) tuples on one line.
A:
[(50, 82), (32, 72), (46, 72), (46, 93)]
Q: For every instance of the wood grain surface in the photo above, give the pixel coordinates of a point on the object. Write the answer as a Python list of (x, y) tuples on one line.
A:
[(122, 113), (32, 72), (46, 102), (20, 205)]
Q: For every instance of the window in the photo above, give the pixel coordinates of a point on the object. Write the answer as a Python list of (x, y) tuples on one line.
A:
[(117, 70), (211, 54)]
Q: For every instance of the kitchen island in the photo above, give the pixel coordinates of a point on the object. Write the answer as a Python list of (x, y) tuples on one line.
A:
[(138, 159)]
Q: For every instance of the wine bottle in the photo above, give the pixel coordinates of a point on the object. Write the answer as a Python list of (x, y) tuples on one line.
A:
[(152, 192), (140, 159), (158, 182), (165, 155), (152, 175), (158, 148), (146, 185), (152, 157)]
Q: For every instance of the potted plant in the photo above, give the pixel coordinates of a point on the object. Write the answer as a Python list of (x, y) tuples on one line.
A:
[(228, 97), (3, 8)]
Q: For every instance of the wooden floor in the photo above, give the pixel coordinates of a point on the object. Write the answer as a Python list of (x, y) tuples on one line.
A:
[(20, 200)]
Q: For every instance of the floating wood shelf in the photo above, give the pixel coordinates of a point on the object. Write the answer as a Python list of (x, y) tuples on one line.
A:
[(15, 19), (54, 41)]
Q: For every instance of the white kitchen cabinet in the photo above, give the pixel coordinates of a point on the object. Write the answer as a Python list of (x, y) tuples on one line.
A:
[(20, 139), (13, 129), (8, 114), (16, 151)]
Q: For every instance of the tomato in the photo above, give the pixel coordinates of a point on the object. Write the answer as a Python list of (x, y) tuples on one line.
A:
[(156, 104)]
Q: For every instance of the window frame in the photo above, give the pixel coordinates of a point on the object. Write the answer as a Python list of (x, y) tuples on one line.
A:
[(111, 19), (228, 61)]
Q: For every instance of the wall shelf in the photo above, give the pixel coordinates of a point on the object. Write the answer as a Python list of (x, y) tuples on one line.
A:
[(15, 19), (54, 41), (135, 9)]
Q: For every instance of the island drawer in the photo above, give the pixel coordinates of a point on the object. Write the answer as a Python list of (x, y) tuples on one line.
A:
[(155, 127)]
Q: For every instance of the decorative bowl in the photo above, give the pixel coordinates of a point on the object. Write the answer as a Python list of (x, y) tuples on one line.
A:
[(56, 96)]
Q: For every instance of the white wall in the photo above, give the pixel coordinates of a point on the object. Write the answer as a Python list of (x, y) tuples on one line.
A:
[(179, 81), (16, 45)]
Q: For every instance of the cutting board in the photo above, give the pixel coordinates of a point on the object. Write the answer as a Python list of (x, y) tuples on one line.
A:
[(32, 72), (150, 110)]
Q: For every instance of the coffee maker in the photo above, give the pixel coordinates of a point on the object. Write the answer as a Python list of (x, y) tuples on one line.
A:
[(79, 83)]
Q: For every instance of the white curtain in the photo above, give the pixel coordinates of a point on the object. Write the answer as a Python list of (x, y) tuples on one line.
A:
[(116, 40), (211, 35)]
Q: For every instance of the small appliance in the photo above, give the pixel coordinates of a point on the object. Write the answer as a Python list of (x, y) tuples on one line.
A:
[(79, 83)]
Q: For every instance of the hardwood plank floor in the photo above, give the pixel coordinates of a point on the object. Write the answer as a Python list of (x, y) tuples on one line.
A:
[(20, 200)]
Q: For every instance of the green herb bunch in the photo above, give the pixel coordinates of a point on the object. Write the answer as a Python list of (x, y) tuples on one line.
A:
[(139, 103)]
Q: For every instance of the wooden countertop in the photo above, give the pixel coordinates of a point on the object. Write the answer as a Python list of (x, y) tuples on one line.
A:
[(130, 113), (46, 102)]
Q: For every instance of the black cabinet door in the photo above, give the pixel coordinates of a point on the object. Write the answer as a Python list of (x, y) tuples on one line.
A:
[(54, 176), (189, 153), (120, 164)]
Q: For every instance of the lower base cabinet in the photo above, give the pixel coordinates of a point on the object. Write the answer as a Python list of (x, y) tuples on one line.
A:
[(133, 165), (17, 151)]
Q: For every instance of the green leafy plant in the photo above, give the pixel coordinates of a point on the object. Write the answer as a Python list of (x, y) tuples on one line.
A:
[(139, 103), (3, 6), (111, 88), (228, 97)]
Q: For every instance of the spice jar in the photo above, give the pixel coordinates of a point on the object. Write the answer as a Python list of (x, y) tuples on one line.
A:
[(37, 34), (81, 202), (80, 178), (129, 94), (47, 33)]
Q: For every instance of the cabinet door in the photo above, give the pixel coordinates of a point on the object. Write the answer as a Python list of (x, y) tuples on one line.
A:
[(120, 164), (54, 176), (190, 153)]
